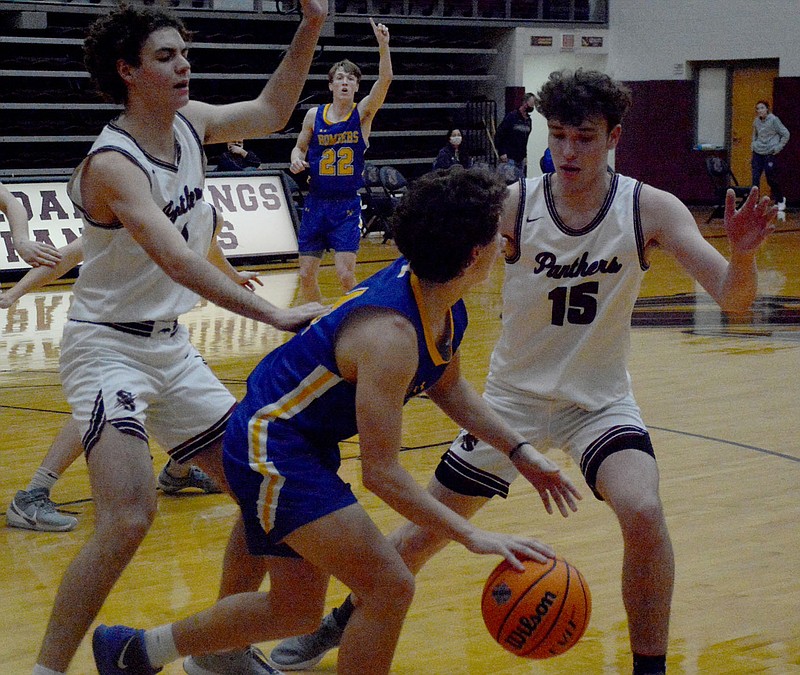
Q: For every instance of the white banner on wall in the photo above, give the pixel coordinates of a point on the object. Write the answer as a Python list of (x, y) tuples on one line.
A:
[(255, 206)]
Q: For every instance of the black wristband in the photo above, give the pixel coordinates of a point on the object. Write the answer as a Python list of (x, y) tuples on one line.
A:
[(516, 449)]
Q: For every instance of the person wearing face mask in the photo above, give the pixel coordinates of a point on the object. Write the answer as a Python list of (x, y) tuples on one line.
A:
[(236, 158), (511, 139), (453, 152)]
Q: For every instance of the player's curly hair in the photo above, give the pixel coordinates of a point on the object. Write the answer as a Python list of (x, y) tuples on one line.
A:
[(444, 215), (573, 97), (121, 34)]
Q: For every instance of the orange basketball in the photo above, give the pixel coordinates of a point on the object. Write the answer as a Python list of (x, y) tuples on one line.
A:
[(538, 613)]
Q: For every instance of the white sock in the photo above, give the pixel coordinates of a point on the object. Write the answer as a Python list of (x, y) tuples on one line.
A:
[(43, 478), (160, 646), (41, 670)]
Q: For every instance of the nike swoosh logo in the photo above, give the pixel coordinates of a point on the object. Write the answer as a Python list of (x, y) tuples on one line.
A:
[(28, 519), (121, 660), (533, 220)]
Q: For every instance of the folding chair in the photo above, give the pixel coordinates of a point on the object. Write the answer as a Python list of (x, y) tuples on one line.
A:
[(394, 185), (722, 179), (377, 204)]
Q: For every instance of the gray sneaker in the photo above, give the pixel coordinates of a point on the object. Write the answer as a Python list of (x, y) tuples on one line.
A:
[(33, 510), (306, 651), (250, 661), (195, 479)]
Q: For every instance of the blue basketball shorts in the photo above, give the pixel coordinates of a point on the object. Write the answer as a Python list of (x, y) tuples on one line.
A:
[(281, 480), (330, 224)]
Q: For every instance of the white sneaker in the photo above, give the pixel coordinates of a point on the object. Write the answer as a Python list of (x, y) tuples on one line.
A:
[(250, 661), (33, 510), (306, 651)]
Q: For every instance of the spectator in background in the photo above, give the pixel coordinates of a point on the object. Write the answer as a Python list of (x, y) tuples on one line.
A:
[(511, 139), (453, 152), (770, 136), (236, 158)]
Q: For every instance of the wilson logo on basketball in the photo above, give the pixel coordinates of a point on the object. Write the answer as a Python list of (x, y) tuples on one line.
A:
[(527, 625)]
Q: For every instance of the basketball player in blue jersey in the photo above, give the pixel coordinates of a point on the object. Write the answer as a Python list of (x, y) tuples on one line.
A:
[(578, 243), (127, 367), (394, 336), (331, 146)]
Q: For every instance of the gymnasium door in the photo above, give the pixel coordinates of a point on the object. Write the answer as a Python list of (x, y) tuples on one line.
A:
[(748, 85)]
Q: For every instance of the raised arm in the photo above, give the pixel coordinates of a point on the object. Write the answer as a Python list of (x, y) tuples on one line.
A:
[(732, 283), (379, 353), (271, 109), (371, 103), (70, 255), (32, 252)]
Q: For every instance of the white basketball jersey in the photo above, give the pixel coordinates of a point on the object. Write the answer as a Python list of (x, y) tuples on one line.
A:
[(568, 297), (118, 281)]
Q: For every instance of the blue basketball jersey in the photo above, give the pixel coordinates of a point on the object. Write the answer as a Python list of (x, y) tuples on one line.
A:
[(299, 384), (336, 155)]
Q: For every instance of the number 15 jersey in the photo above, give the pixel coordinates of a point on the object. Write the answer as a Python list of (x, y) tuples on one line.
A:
[(568, 298), (336, 155)]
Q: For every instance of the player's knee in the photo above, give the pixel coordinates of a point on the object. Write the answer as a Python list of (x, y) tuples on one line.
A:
[(346, 276), (127, 528), (642, 517), (392, 591), (400, 590)]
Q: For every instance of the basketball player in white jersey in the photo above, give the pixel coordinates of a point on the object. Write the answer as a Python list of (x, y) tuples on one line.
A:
[(32, 508), (578, 242), (127, 367)]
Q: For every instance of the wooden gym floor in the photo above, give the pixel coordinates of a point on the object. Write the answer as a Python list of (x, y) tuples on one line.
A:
[(721, 403)]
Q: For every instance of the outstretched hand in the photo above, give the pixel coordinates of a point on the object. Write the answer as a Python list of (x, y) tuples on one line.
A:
[(751, 224), (512, 547), (37, 253), (550, 482), (294, 319)]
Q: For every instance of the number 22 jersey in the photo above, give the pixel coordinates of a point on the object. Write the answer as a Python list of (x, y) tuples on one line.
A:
[(336, 155)]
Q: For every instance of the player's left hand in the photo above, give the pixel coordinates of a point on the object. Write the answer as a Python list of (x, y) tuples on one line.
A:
[(751, 224), (550, 482)]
